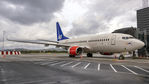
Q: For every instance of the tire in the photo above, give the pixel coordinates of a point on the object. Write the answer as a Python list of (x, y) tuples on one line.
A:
[(71, 55), (89, 55), (121, 57)]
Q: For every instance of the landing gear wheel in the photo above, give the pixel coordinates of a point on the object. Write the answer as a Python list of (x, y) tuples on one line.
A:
[(89, 55), (121, 57), (71, 55)]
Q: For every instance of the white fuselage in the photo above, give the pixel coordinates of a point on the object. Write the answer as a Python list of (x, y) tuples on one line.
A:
[(111, 43)]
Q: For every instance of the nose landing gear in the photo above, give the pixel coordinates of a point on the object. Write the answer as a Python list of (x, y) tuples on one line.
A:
[(121, 57)]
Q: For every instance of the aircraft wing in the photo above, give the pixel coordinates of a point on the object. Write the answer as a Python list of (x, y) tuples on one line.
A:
[(39, 42), (48, 42)]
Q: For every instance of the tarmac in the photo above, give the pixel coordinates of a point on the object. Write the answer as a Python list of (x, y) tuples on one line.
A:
[(58, 68)]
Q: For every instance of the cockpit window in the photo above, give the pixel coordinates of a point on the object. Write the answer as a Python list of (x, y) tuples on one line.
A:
[(123, 37), (127, 37), (131, 37)]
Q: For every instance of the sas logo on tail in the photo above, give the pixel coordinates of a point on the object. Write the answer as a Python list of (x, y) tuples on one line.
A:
[(60, 37)]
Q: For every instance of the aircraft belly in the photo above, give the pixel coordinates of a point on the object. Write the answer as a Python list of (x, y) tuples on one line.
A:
[(93, 47)]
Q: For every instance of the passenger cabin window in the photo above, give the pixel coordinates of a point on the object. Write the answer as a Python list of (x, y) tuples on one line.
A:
[(103, 40)]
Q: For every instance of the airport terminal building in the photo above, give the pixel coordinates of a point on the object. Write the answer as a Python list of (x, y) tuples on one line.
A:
[(143, 27), (142, 30)]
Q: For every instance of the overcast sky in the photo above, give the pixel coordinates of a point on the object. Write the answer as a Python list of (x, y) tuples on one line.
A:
[(35, 19)]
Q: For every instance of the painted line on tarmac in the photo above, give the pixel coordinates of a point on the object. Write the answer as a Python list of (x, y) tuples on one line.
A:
[(130, 70), (57, 63), (32, 82), (48, 63), (113, 68), (76, 65), (87, 65), (66, 64), (38, 62), (142, 69), (3, 75), (98, 67)]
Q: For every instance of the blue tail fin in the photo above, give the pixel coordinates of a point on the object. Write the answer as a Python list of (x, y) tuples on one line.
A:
[(60, 35)]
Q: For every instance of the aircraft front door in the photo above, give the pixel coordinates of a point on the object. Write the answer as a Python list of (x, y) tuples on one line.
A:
[(113, 40)]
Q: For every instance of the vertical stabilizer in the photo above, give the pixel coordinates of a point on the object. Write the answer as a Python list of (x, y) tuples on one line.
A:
[(60, 35)]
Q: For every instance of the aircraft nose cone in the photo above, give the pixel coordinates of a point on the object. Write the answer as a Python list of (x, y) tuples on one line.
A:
[(140, 44)]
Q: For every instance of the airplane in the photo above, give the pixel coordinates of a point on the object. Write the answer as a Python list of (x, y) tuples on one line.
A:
[(106, 44)]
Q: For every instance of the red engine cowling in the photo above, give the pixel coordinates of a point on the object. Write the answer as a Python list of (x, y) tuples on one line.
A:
[(106, 53), (75, 50)]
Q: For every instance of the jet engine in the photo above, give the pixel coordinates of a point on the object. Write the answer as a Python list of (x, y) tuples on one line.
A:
[(75, 50)]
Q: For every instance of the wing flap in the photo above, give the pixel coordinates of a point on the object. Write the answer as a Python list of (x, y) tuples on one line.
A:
[(48, 40)]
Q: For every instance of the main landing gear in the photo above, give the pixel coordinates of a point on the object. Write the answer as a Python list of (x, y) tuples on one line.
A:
[(89, 55), (121, 57), (71, 55)]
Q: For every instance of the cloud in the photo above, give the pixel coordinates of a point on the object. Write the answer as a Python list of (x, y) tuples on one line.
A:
[(28, 19), (102, 17), (86, 25), (34, 32), (27, 12)]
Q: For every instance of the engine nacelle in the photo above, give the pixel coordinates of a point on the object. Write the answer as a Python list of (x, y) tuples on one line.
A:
[(75, 50), (106, 53)]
